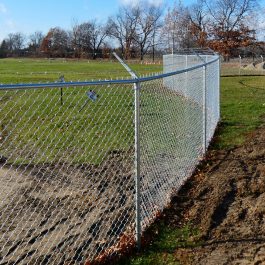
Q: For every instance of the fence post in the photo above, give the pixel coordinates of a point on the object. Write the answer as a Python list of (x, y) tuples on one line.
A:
[(240, 65), (137, 163), (186, 77), (61, 96), (137, 149), (61, 79), (204, 111)]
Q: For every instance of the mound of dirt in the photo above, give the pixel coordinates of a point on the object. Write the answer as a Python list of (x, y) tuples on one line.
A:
[(261, 66), (250, 66), (226, 200)]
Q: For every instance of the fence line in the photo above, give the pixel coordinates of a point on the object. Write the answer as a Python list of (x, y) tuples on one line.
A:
[(102, 82), (83, 177), (241, 66)]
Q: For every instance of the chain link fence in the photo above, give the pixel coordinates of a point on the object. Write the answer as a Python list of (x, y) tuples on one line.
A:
[(241, 66), (85, 167)]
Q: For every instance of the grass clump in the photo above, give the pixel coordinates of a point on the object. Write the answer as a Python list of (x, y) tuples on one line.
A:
[(166, 241)]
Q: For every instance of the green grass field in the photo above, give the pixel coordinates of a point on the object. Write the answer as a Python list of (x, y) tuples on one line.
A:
[(242, 109), (37, 116), (36, 128), (24, 70)]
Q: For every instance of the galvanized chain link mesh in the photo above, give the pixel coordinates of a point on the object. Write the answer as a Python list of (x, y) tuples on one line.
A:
[(67, 160), (66, 173), (172, 128), (212, 99)]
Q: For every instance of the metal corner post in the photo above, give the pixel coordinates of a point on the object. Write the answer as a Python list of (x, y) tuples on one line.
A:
[(137, 150)]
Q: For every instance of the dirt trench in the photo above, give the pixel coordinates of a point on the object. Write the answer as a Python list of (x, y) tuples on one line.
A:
[(225, 199)]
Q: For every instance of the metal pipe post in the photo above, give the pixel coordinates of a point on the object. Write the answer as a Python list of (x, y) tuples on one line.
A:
[(137, 163), (240, 64), (186, 77), (137, 149), (61, 96)]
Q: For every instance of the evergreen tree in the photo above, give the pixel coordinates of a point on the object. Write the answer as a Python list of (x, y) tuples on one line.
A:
[(3, 49)]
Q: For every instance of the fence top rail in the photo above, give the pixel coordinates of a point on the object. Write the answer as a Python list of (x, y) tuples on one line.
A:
[(103, 82)]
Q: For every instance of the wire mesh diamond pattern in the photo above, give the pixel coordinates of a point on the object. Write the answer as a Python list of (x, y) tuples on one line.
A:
[(69, 154), (56, 206)]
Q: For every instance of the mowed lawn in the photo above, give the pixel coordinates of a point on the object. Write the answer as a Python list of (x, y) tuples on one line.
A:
[(24, 70), (36, 127), (242, 109), (40, 126)]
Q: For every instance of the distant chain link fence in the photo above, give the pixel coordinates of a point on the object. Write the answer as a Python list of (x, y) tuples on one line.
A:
[(85, 167), (242, 66)]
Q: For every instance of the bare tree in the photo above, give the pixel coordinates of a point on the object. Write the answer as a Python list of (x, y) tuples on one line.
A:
[(59, 42), (15, 42), (176, 27), (146, 27), (88, 38), (229, 13), (122, 27), (135, 27), (199, 23), (35, 41), (82, 39), (98, 33)]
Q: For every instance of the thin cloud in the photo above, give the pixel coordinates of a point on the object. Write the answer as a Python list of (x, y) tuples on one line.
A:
[(156, 2), (86, 4), (3, 9), (129, 2), (136, 2), (10, 23)]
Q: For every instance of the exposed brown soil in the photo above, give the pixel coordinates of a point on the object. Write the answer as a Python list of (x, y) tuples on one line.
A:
[(226, 200), (54, 214)]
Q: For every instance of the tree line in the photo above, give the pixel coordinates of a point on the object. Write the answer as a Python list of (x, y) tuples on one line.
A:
[(225, 26)]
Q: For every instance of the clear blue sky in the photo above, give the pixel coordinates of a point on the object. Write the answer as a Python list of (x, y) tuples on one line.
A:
[(28, 16)]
